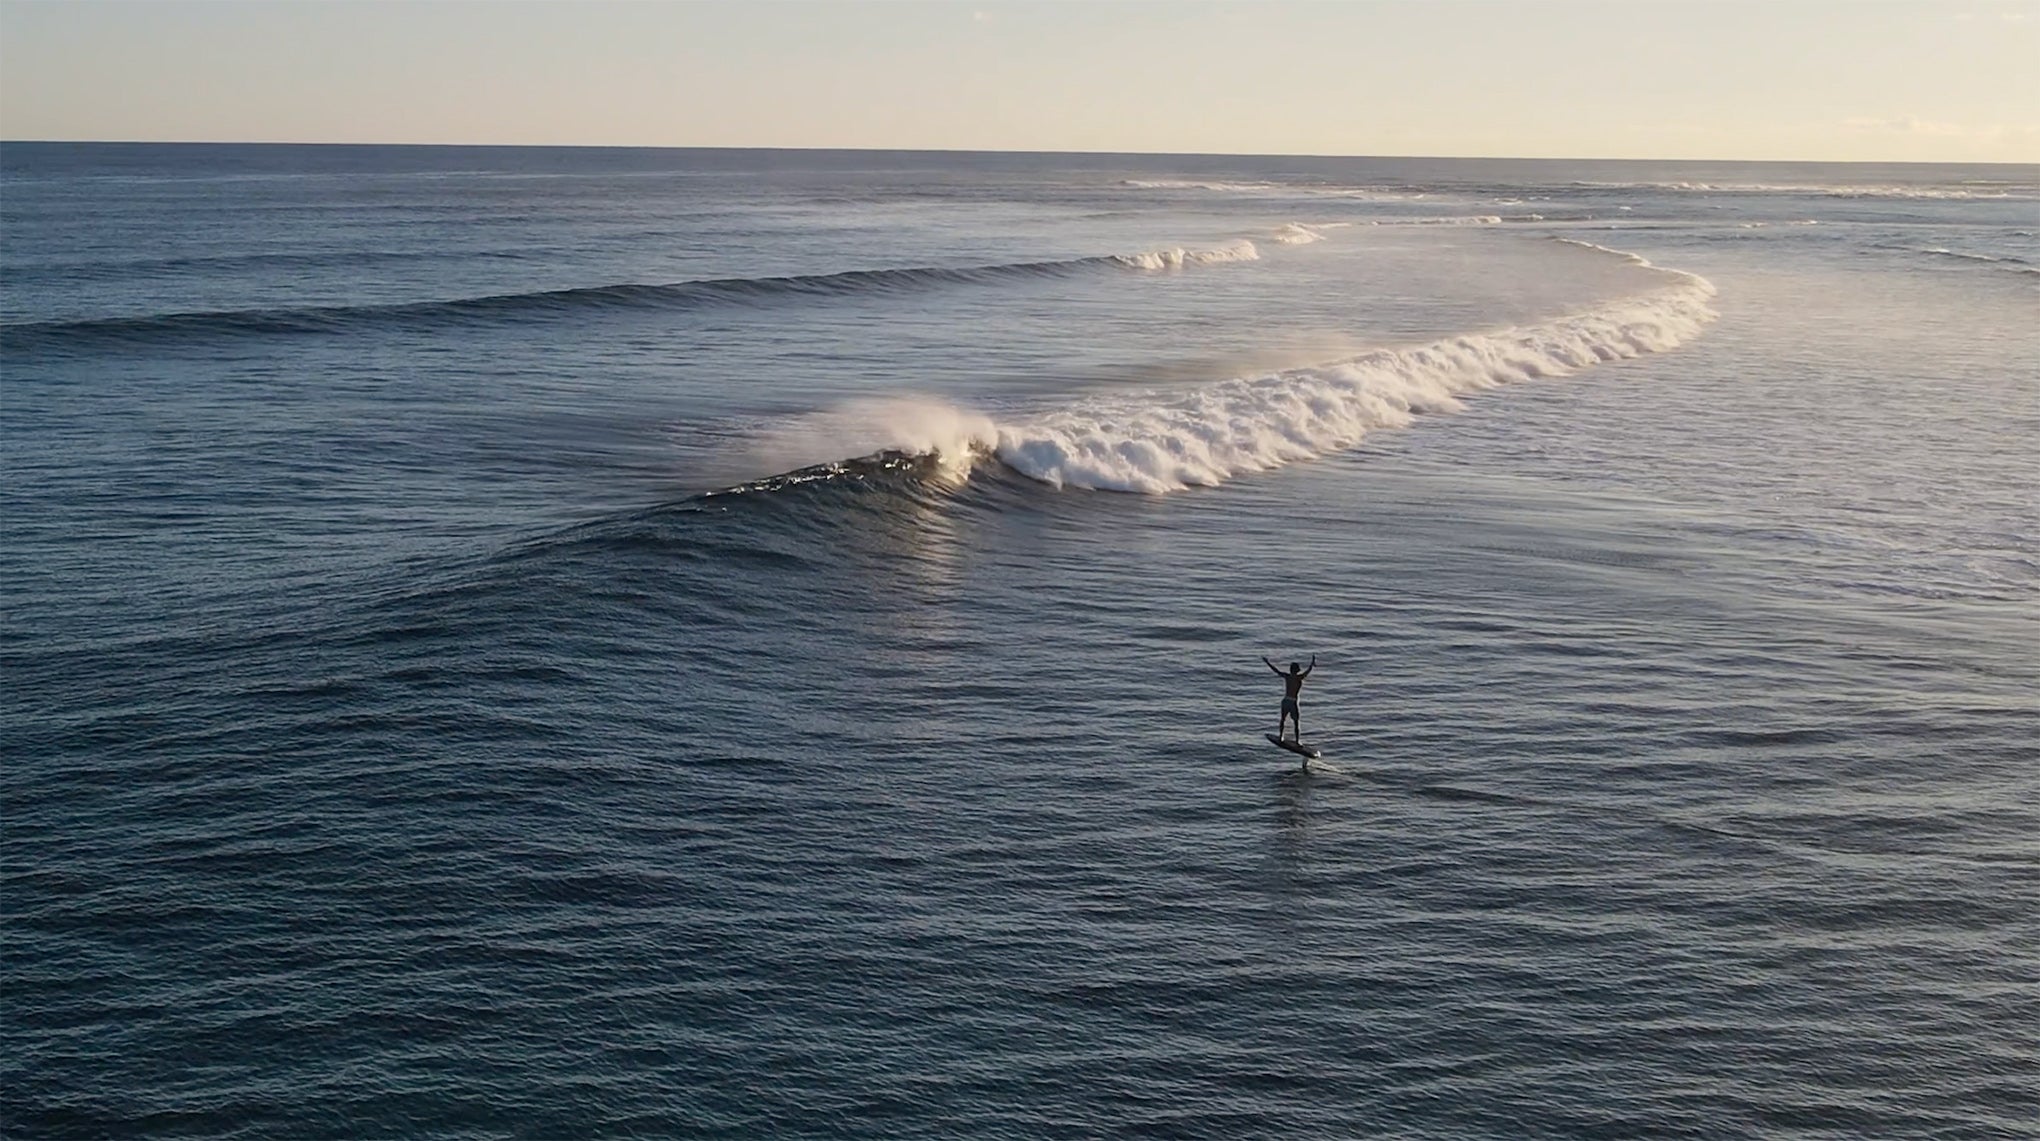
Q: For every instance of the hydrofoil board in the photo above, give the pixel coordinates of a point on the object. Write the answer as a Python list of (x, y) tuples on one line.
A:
[(1298, 747)]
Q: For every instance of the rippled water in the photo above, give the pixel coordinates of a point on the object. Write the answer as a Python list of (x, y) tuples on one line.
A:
[(531, 643)]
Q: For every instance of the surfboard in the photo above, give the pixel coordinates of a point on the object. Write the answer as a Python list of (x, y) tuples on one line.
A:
[(1297, 747)]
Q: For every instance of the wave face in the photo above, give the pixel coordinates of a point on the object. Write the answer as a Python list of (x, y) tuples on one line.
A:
[(566, 303), (1203, 437)]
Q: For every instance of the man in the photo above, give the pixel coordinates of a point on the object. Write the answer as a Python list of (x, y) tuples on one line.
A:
[(1292, 684)]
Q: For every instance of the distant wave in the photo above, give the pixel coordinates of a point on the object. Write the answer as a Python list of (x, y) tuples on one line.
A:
[(1166, 442), (2006, 262), (121, 269), (1316, 190), (1403, 192), (1196, 184), (1298, 234), (1996, 191), (1448, 220), (152, 329)]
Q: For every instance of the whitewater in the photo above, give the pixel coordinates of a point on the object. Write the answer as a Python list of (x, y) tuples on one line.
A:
[(1157, 442)]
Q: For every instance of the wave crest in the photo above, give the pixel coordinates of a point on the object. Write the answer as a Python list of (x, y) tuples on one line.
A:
[(1298, 234), (1237, 250), (1201, 438), (149, 329), (954, 438), (1168, 442)]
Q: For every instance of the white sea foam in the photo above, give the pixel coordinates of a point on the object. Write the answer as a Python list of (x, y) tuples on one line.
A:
[(1162, 442), (955, 437), (1239, 249), (1203, 437), (1298, 234)]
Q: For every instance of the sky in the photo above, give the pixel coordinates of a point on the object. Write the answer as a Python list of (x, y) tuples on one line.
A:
[(1846, 80)]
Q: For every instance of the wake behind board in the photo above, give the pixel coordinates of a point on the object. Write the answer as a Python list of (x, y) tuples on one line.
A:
[(1308, 752)]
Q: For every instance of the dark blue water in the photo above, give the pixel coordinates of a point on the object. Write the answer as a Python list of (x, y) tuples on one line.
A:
[(526, 643)]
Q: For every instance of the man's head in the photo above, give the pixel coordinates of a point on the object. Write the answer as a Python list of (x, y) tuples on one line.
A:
[(1295, 666)]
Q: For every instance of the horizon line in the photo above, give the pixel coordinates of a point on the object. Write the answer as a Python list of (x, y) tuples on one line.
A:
[(991, 151)]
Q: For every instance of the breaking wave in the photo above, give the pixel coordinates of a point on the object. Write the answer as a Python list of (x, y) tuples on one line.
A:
[(1164, 442), (1238, 250)]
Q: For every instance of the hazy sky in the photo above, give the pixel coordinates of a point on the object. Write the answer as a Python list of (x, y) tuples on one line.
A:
[(1948, 80)]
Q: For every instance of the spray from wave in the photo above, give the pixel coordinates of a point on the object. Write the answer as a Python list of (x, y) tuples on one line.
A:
[(1171, 441), (955, 438)]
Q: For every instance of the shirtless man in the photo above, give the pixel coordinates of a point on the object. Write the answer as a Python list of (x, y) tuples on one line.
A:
[(1292, 684)]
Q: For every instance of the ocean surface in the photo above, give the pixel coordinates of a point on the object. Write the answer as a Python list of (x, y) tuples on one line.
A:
[(664, 643)]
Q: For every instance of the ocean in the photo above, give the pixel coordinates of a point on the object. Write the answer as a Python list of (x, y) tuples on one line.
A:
[(672, 643)]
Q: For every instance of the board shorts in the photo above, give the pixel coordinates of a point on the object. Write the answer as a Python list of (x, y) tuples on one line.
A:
[(1289, 707)]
